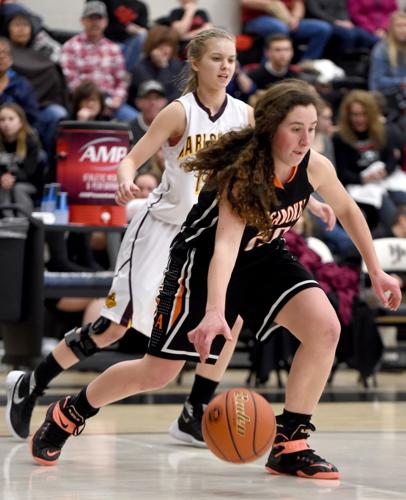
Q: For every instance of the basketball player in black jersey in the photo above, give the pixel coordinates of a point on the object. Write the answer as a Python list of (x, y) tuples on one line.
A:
[(229, 259)]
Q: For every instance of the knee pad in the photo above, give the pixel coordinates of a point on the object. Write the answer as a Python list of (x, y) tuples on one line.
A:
[(80, 341)]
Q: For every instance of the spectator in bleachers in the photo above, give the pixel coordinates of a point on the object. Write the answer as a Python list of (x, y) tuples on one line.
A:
[(127, 26), (19, 158), (323, 142), (397, 229), (39, 38), (276, 67), (147, 183), (88, 103), (346, 36), (266, 17), (241, 86), (188, 20), (365, 160), (371, 15), (388, 63), (44, 75), (151, 98), (14, 87), (160, 63), (336, 239), (91, 56)]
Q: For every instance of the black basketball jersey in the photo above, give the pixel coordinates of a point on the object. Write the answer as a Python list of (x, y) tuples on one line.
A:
[(200, 225)]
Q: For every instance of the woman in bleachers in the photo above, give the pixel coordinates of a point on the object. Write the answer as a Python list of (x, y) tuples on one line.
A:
[(365, 159), (44, 75), (32, 29), (388, 65), (19, 158), (160, 63)]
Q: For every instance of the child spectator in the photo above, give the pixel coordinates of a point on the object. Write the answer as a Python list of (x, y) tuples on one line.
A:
[(88, 103), (19, 158)]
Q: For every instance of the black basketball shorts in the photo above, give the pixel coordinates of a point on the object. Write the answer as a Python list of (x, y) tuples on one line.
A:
[(263, 281)]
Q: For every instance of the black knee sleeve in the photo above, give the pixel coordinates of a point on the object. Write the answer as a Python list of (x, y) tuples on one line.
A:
[(80, 341)]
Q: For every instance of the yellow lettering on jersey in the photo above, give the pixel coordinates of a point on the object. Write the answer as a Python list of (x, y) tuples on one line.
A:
[(196, 142), (189, 146), (199, 142), (159, 322)]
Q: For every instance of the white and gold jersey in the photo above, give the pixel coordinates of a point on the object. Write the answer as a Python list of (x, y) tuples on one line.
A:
[(178, 190)]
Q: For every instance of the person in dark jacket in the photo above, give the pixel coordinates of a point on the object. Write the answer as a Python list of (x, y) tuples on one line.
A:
[(279, 55), (14, 87), (346, 36)]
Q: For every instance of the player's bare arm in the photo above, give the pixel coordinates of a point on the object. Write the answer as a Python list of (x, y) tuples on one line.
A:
[(323, 178), (229, 232), (170, 122)]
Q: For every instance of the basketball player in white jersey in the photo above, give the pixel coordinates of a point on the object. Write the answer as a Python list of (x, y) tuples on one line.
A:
[(182, 128), (203, 113)]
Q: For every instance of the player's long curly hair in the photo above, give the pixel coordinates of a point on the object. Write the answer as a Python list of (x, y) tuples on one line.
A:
[(240, 166)]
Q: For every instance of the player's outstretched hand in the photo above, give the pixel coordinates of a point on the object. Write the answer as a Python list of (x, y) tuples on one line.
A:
[(126, 191), (202, 336), (387, 289)]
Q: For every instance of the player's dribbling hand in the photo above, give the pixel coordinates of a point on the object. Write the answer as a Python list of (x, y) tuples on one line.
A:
[(126, 191), (202, 336)]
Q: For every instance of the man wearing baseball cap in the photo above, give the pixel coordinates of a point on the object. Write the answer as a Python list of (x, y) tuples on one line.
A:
[(91, 56), (150, 99)]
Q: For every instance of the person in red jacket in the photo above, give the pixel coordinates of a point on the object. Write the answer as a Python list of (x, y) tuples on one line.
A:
[(372, 16)]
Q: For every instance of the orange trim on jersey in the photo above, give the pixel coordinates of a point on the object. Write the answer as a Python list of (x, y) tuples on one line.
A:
[(177, 309), (292, 175)]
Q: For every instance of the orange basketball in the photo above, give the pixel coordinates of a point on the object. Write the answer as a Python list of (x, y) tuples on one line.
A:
[(239, 425)]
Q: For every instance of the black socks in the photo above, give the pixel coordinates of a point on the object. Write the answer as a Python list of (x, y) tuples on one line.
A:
[(289, 422), (82, 405), (46, 371), (202, 391)]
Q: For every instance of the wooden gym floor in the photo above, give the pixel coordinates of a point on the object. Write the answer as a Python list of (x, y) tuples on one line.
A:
[(125, 451)]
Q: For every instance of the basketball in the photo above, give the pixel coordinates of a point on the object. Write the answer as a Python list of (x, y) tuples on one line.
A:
[(239, 425)]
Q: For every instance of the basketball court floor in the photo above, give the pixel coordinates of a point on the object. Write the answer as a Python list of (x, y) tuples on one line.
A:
[(125, 452)]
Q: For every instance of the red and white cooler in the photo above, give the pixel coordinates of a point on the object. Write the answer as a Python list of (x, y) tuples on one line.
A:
[(87, 157)]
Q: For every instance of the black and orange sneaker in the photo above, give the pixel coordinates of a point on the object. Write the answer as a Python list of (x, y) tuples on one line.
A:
[(292, 455), (61, 421)]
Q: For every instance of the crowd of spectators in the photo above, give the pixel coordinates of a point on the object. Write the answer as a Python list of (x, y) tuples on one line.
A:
[(122, 65)]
